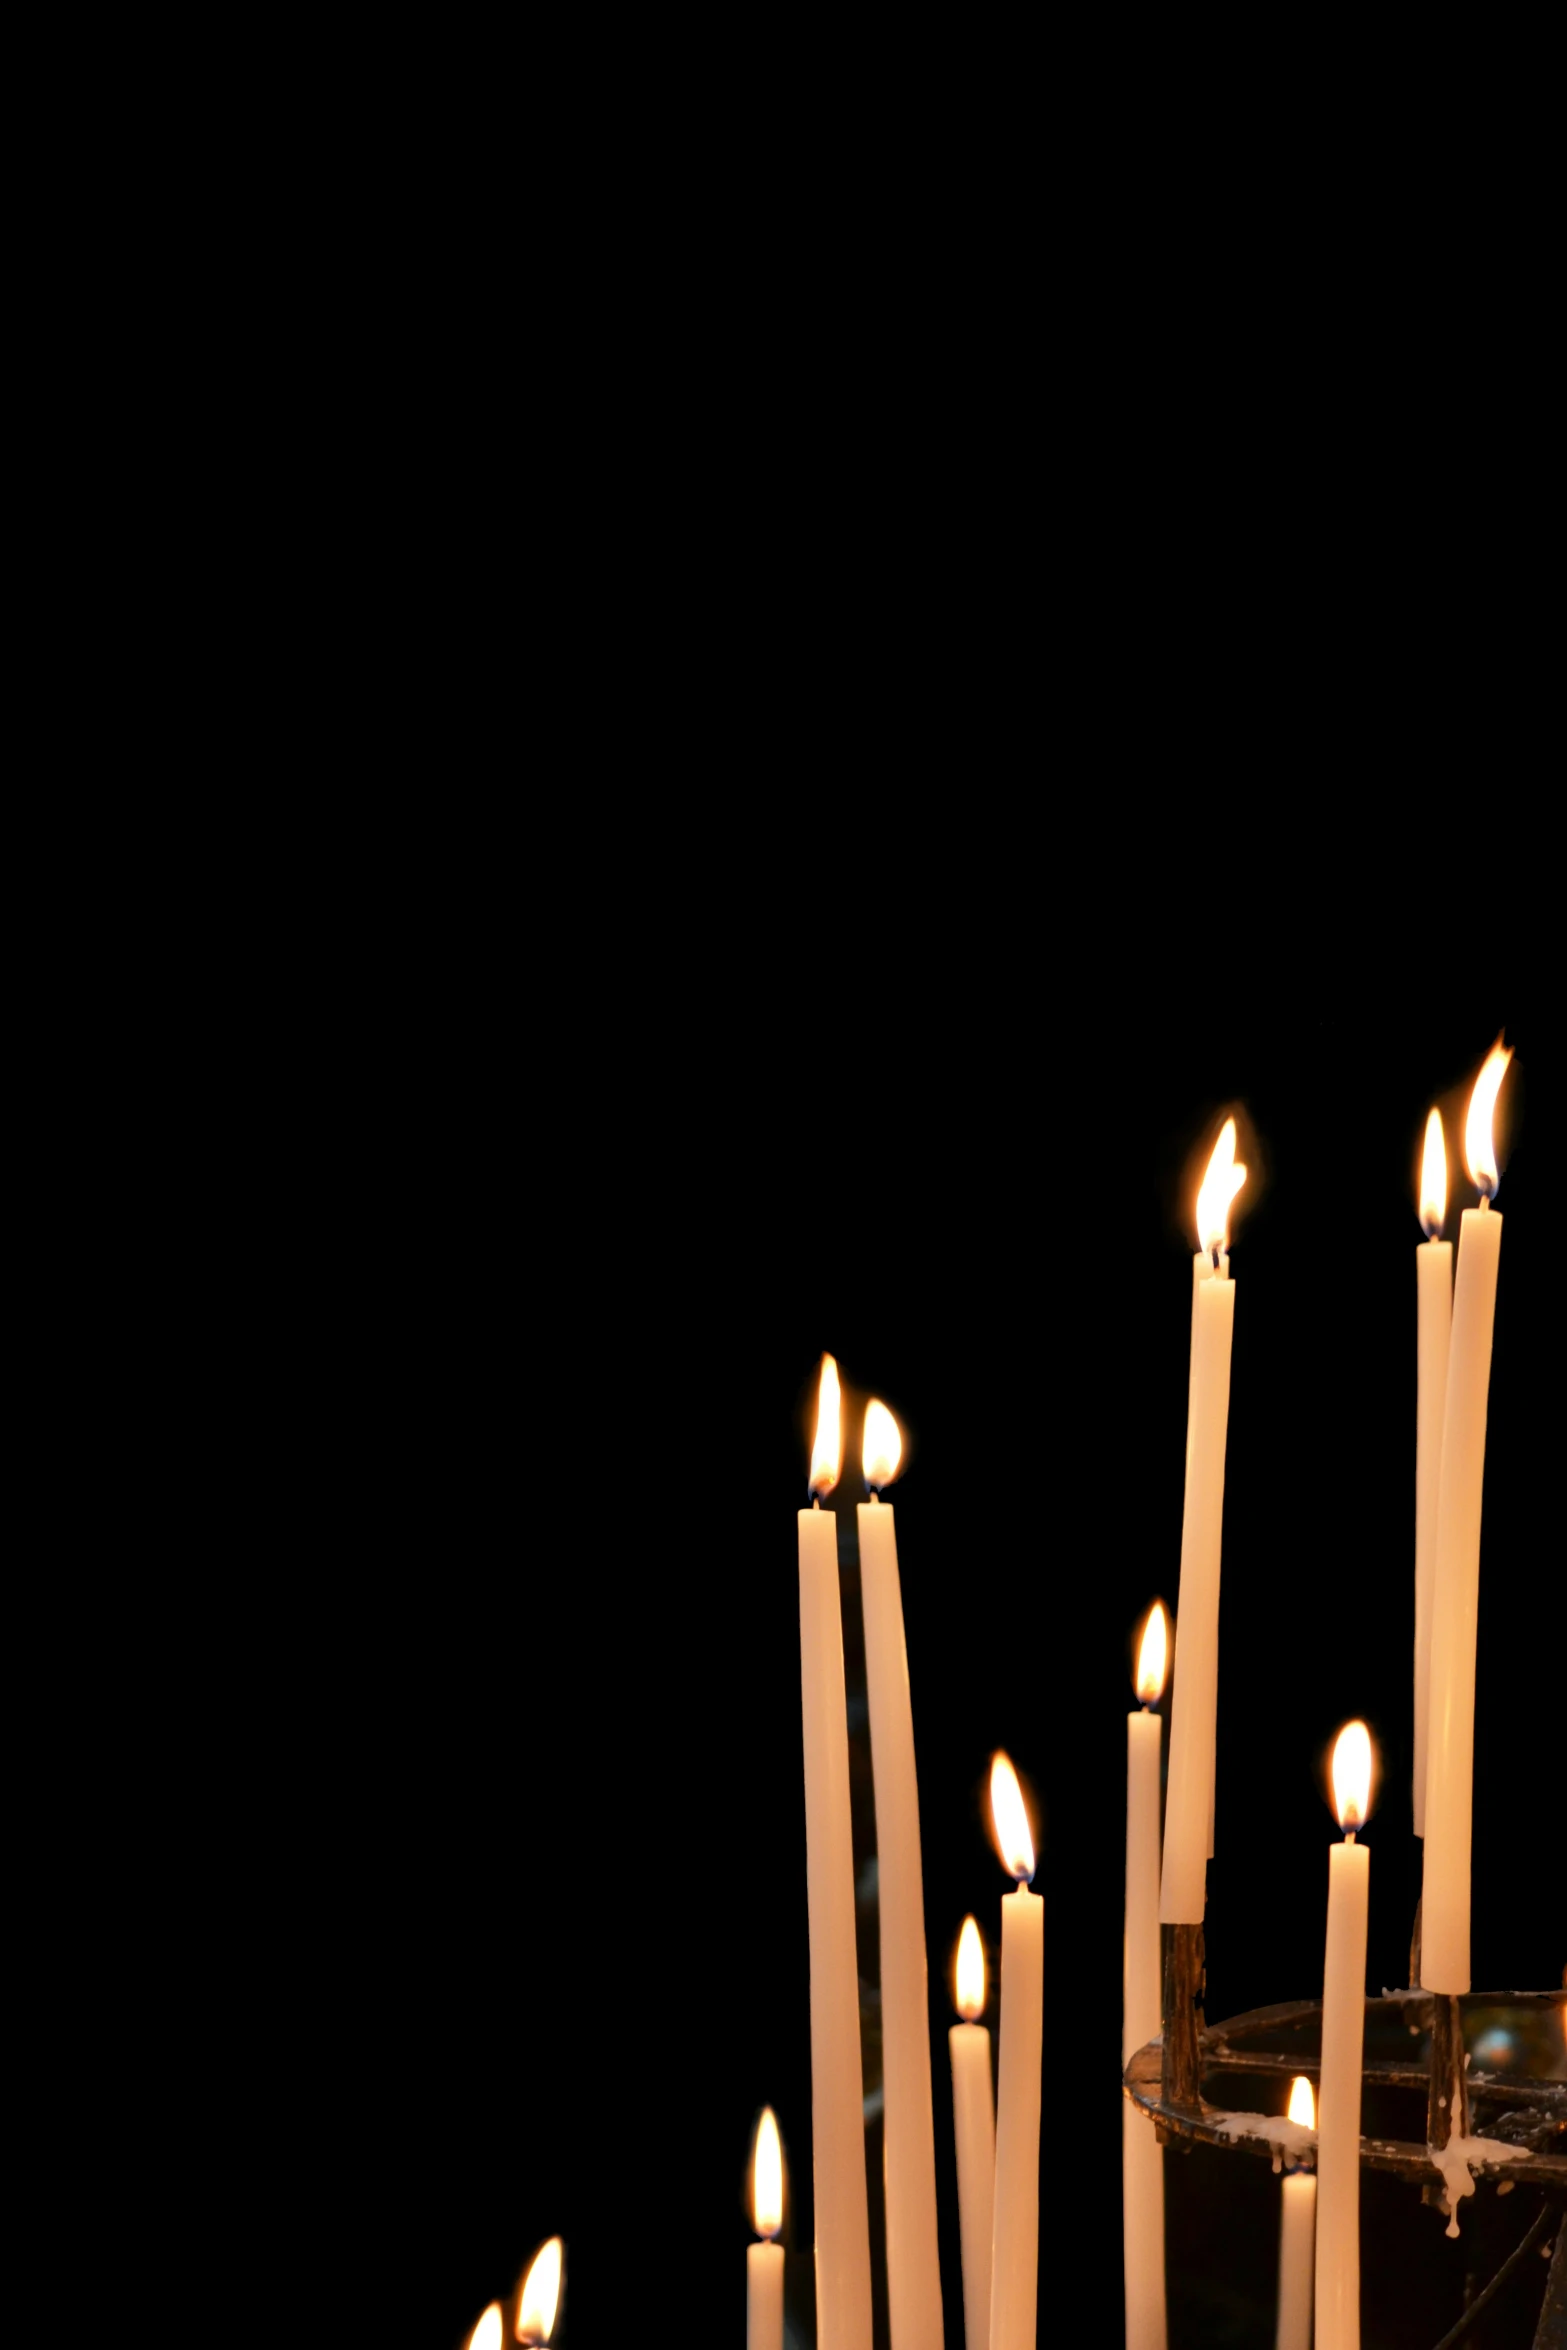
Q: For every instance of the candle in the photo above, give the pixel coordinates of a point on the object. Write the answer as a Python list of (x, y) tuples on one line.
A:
[(1434, 1301), (1343, 2036), (1142, 2158), (974, 2129), (1297, 2235), (1014, 2264), (538, 2302), (764, 2262), (843, 2255), (1455, 1597), (909, 2130), (488, 2333), (1189, 1807)]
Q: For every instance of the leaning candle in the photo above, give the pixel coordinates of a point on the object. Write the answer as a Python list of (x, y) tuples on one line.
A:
[(764, 2262), (909, 2130), (1189, 1805), (1014, 2263), (1142, 2157), (1297, 2235), (538, 2300), (843, 2254), (1434, 1317), (974, 2131), (1343, 2039), (1455, 1598)]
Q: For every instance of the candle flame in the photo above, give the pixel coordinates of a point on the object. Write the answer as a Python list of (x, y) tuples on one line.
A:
[(767, 2177), (827, 1451), (1219, 1186), (490, 2331), (1303, 2105), (1014, 1840), (1153, 1656), (883, 1446), (1352, 1775), (539, 2299), (1479, 1146), (1433, 1179), (971, 1973)]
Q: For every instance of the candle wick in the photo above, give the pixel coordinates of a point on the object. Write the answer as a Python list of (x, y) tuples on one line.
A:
[(816, 1501), (1349, 1835), (1485, 1201), (876, 1493)]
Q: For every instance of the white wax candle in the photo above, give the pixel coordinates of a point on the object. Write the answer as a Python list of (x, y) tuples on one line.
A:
[(1140, 1987), (1343, 2039), (1014, 2269), (1142, 2229), (974, 2131), (1142, 2157), (843, 2258), (764, 2297), (1455, 1603), (909, 2130), (1434, 1300), (1297, 2253), (1190, 1799)]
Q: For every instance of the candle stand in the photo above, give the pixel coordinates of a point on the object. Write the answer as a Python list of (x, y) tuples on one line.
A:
[(1498, 2057)]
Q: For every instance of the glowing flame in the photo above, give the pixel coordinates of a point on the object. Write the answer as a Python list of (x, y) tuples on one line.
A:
[(883, 1446), (1303, 2105), (1013, 1836), (1352, 1775), (1433, 1178), (1479, 1148), (971, 1973), (767, 2177), (1219, 1186), (827, 1451), (1153, 1657), (489, 2333), (540, 2296)]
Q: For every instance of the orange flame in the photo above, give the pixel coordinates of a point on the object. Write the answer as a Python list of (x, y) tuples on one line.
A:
[(1014, 1839), (1433, 1178), (1352, 1776), (1479, 1145), (1303, 2105), (539, 2299), (971, 1973), (827, 1451), (1153, 1656), (767, 2177), (883, 1446), (1219, 1186), (490, 2331)]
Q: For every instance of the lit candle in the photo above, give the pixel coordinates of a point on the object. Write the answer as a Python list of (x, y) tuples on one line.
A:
[(538, 2302), (909, 2130), (764, 2262), (1142, 2157), (488, 2334), (1297, 2235), (1014, 2265), (1455, 1597), (1343, 2040), (1434, 1304), (843, 2253), (974, 2129), (1188, 1818)]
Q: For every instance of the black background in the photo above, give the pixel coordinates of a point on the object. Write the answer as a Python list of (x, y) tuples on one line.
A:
[(574, 1852)]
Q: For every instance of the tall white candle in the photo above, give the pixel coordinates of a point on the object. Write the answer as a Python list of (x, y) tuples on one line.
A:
[(1189, 1804), (1434, 1302), (1142, 2157), (909, 2130), (1455, 1600), (764, 2262), (1297, 2235), (843, 2256), (974, 2131), (1014, 2266), (1343, 2041)]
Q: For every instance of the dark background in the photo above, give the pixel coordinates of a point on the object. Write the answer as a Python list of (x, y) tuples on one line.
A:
[(574, 1856)]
